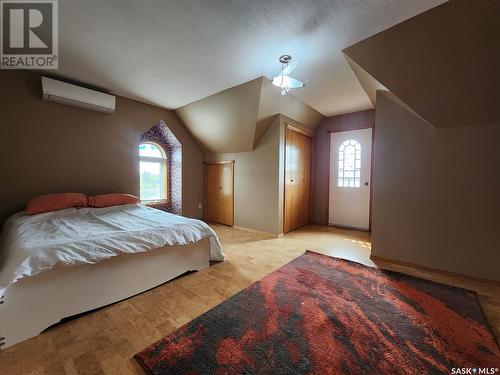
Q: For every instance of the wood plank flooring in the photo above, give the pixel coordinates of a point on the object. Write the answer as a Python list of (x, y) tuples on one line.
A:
[(104, 341)]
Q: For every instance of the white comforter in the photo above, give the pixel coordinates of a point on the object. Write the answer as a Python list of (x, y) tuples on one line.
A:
[(34, 243)]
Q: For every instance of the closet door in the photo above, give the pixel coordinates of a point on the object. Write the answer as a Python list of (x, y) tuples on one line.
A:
[(219, 194), (297, 180), (291, 191), (304, 180)]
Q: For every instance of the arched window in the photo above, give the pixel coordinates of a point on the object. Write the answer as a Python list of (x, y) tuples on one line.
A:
[(349, 164), (153, 172)]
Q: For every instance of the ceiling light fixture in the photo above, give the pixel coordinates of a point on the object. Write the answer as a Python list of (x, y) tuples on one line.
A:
[(284, 80)]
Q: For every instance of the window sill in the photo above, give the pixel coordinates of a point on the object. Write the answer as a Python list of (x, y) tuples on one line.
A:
[(158, 203)]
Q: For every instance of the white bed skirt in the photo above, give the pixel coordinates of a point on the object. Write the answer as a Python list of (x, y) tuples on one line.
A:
[(35, 303)]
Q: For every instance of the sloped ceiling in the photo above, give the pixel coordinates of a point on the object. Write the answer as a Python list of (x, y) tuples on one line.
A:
[(235, 119), (224, 122), (372, 86), (443, 63), (172, 53), (369, 84), (273, 103)]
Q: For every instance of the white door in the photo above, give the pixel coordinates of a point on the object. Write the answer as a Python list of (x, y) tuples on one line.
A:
[(350, 167)]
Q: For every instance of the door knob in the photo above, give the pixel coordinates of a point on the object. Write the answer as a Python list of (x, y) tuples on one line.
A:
[(366, 183)]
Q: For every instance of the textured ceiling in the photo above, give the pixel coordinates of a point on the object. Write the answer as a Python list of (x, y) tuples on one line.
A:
[(171, 53)]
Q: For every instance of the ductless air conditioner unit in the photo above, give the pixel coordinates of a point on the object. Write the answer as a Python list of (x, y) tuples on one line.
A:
[(65, 93)]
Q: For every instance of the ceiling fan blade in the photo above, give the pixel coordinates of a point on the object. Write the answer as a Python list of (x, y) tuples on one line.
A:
[(294, 83), (280, 80), (290, 68)]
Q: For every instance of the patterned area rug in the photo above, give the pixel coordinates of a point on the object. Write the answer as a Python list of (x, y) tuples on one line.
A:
[(323, 315)]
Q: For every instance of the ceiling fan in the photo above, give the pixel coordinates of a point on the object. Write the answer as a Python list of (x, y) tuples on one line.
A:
[(284, 80)]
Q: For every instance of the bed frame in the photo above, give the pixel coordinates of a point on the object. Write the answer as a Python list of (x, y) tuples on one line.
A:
[(35, 303)]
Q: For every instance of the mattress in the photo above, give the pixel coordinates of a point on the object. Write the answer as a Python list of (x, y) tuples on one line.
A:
[(36, 243)]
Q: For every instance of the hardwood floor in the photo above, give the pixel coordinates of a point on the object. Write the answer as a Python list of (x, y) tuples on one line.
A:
[(104, 341)]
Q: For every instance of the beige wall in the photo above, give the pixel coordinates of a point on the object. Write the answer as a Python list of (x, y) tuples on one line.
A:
[(349, 121), (256, 183), (48, 147), (436, 193)]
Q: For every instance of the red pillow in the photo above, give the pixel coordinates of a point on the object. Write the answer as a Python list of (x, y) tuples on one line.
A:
[(113, 199), (54, 202)]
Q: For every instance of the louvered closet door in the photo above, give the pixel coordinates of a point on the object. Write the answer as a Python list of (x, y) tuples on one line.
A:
[(297, 180), (219, 192)]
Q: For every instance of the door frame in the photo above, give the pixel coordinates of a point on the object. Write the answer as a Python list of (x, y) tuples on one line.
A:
[(205, 163), (372, 157), (310, 135)]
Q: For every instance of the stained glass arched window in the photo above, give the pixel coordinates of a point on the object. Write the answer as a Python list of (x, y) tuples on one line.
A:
[(349, 172)]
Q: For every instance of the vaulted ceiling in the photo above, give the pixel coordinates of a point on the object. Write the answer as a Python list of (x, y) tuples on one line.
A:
[(172, 53), (234, 120), (443, 63)]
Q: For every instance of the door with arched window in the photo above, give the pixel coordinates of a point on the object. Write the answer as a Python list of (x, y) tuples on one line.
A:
[(350, 170)]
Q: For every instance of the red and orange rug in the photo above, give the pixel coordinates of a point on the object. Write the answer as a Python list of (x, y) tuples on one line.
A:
[(323, 315)]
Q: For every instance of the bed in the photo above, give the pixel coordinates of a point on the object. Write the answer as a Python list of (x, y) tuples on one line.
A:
[(58, 264)]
